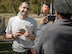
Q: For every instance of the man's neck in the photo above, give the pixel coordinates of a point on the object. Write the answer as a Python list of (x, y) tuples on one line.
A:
[(23, 17)]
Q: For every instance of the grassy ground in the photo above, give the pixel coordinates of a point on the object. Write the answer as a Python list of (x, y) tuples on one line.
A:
[(9, 15), (5, 47)]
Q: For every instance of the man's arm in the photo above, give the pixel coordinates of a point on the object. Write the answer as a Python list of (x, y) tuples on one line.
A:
[(8, 36), (38, 45), (39, 42), (15, 35), (29, 35)]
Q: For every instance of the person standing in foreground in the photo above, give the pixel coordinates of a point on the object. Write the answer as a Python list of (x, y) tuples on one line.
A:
[(56, 38), (22, 29)]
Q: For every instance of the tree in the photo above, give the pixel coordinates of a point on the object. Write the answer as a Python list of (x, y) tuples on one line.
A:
[(11, 2), (11, 6)]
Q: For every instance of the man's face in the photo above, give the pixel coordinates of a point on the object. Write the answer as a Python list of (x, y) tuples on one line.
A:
[(24, 9)]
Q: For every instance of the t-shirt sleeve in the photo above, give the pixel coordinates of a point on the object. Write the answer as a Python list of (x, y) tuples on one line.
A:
[(8, 28)]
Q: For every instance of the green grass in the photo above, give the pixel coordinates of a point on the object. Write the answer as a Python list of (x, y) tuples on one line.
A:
[(6, 52), (1, 37), (5, 47), (9, 15)]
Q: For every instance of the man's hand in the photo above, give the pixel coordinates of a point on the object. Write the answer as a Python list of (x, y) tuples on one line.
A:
[(16, 34), (44, 20), (29, 35)]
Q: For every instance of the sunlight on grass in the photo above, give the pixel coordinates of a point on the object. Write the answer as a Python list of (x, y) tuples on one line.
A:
[(1, 37)]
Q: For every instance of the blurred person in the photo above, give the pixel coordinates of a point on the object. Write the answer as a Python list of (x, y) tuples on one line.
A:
[(56, 38), (47, 14), (45, 9), (21, 29)]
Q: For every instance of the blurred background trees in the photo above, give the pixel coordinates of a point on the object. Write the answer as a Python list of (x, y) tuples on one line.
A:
[(11, 6)]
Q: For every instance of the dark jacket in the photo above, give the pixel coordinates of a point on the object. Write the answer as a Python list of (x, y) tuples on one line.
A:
[(55, 38)]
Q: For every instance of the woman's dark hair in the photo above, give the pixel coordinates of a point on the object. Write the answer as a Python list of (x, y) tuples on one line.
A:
[(63, 7)]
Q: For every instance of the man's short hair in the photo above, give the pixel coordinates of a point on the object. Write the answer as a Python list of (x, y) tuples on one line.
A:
[(24, 2)]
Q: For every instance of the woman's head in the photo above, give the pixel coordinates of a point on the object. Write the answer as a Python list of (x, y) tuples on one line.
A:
[(63, 8)]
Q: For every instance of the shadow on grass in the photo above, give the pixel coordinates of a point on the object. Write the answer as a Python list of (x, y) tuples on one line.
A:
[(5, 47)]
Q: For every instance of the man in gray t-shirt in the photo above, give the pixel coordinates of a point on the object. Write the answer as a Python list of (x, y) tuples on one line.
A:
[(22, 29)]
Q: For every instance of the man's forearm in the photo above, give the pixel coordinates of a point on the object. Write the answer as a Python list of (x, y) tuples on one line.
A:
[(8, 36)]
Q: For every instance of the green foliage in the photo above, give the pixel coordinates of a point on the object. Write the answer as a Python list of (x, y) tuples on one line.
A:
[(5, 47), (11, 6)]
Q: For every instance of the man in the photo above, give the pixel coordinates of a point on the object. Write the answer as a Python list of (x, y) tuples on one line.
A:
[(22, 29), (45, 9), (56, 38)]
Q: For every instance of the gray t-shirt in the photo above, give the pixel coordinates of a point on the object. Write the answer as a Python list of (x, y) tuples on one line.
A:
[(22, 42)]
